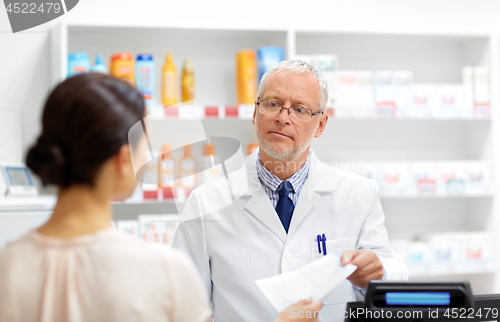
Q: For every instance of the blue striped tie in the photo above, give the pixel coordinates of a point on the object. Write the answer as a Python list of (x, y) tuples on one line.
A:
[(285, 205)]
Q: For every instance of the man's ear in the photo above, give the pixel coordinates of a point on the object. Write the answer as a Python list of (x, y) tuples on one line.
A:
[(321, 125), (254, 112)]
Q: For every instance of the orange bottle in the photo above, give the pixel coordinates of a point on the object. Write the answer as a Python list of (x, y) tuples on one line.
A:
[(169, 82), (251, 147), (246, 77), (166, 172), (187, 82), (122, 66), (167, 167), (187, 169)]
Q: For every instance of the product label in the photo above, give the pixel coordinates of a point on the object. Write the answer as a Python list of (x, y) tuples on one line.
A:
[(189, 112), (169, 88), (79, 69), (188, 182), (246, 111), (168, 167)]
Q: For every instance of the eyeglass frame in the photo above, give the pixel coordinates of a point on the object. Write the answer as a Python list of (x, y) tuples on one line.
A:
[(288, 108)]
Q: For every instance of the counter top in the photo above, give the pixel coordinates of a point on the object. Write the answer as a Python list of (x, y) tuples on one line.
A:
[(39, 203)]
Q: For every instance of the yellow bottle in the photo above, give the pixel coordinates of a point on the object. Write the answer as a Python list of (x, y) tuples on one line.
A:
[(169, 82), (246, 77), (187, 82), (167, 167), (187, 169)]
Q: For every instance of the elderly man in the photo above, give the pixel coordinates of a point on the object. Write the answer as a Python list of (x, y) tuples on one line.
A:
[(296, 210)]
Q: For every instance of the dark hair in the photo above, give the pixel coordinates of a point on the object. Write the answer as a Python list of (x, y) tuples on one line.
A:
[(85, 121)]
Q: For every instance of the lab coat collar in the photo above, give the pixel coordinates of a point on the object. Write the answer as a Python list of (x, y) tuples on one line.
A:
[(260, 206), (317, 178)]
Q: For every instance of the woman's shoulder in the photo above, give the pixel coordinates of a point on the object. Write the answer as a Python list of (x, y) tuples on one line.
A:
[(118, 242)]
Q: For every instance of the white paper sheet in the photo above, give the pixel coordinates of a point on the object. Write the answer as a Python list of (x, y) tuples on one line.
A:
[(314, 281)]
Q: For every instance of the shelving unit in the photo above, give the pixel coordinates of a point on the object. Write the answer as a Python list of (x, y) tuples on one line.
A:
[(432, 58)]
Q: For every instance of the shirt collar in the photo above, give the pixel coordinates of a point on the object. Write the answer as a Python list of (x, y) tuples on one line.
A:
[(272, 182)]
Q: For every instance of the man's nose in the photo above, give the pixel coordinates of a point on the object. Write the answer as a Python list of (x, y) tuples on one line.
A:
[(284, 116)]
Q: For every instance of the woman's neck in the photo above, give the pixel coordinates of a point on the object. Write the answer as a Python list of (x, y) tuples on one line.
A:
[(79, 210)]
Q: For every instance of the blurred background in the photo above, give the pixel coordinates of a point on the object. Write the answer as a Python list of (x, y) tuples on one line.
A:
[(414, 98)]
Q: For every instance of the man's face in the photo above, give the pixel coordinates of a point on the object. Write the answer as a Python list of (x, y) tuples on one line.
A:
[(283, 137)]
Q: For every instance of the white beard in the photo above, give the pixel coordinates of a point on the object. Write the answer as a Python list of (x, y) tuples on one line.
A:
[(286, 154)]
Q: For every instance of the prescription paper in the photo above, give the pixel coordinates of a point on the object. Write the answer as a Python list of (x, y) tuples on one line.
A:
[(314, 281)]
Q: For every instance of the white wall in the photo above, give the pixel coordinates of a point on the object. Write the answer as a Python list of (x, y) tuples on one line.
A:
[(25, 56), (389, 15), (24, 75)]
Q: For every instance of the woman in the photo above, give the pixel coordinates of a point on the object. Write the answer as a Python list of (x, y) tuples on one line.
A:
[(76, 267)]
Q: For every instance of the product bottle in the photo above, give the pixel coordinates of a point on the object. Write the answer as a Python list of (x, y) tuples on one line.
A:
[(187, 82), (78, 63), (145, 77), (187, 169), (122, 66), (208, 170), (150, 181), (246, 77), (169, 82), (99, 66), (251, 147), (167, 171)]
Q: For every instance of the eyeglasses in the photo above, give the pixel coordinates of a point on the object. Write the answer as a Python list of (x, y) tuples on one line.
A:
[(298, 113)]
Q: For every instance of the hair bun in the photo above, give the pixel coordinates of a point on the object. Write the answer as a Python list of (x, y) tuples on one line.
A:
[(47, 160)]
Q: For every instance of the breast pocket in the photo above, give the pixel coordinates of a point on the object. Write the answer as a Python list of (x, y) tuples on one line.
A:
[(344, 291)]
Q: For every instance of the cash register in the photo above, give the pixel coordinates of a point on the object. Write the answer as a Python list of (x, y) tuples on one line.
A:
[(423, 301)]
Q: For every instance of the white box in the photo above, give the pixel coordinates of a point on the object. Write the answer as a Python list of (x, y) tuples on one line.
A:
[(424, 99), (419, 258), (403, 83), (451, 179), (130, 227), (482, 107), (158, 229), (384, 94), (425, 178), (478, 178), (452, 102), (468, 83), (395, 179), (481, 84), (327, 65)]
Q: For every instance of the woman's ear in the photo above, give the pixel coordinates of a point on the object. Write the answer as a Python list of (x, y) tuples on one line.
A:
[(123, 160)]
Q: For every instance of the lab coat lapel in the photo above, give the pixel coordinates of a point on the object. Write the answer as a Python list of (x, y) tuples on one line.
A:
[(318, 183), (259, 204), (261, 208), (307, 199)]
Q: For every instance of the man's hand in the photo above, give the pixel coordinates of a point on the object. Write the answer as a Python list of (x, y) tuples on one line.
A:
[(369, 266), (301, 311)]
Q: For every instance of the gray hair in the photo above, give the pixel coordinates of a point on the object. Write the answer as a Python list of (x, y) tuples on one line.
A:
[(300, 67)]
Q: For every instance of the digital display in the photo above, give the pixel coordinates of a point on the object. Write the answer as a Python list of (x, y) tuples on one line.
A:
[(417, 298), (18, 176)]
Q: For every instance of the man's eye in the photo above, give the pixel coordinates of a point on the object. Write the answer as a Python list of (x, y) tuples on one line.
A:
[(300, 110), (273, 104)]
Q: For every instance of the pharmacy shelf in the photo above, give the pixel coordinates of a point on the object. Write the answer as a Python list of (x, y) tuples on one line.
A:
[(438, 197), (9, 205), (454, 270), (132, 210), (245, 112), (433, 57)]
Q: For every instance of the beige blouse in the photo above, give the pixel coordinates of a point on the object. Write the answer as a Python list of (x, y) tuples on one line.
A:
[(106, 276)]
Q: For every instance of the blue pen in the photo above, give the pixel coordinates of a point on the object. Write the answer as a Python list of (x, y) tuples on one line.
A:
[(319, 243), (324, 244)]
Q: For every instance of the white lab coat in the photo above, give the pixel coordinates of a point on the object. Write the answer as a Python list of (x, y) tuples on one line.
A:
[(245, 241)]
